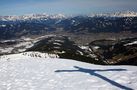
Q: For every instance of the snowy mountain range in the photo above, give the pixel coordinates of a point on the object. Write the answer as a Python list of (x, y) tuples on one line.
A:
[(85, 30), (31, 17), (61, 16), (41, 24), (117, 14)]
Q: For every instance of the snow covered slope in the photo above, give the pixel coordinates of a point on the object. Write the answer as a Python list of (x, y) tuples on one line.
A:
[(22, 72)]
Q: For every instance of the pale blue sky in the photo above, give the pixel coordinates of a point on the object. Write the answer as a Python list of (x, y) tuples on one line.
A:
[(20, 7)]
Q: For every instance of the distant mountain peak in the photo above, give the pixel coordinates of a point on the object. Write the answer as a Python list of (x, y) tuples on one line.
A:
[(116, 14), (31, 16)]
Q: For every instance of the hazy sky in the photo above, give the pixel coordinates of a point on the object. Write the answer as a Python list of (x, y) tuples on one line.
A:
[(20, 7)]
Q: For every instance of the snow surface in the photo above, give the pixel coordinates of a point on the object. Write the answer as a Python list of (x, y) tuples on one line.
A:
[(6, 50), (132, 43), (22, 72)]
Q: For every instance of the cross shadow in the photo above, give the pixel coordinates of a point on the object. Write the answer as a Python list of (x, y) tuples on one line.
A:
[(93, 72)]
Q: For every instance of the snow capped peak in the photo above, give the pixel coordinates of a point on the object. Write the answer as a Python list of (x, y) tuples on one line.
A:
[(116, 14), (125, 14), (61, 15), (31, 16), (57, 16)]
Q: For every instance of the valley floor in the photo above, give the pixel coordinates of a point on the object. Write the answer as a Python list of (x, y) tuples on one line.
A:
[(19, 72)]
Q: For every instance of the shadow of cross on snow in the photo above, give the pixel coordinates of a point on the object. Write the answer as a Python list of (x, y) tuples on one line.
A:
[(94, 72)]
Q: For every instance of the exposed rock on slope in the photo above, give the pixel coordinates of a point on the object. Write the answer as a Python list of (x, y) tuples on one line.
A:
[(117, 52), (65, 48)]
